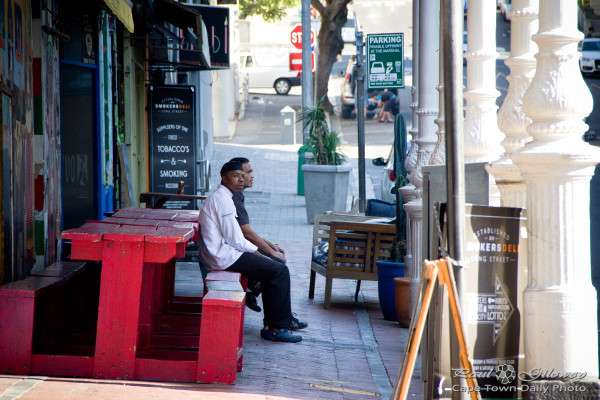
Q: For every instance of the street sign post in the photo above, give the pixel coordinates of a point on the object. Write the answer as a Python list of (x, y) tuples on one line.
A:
[(296, 37), (385, 61)]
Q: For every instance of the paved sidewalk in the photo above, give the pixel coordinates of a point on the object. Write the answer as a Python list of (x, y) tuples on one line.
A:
[(348, 352)]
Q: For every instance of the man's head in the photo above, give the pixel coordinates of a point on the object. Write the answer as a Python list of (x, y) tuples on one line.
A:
[(232, 176), (248, 170)]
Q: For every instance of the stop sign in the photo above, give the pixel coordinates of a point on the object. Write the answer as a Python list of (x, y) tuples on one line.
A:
[(296, 37)]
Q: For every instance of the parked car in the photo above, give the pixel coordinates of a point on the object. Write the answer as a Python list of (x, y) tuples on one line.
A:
[(277, 76), (348, 90), (388, 179), (590, 55)]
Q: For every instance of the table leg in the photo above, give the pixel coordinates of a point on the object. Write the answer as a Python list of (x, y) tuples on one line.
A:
[(118, 313)]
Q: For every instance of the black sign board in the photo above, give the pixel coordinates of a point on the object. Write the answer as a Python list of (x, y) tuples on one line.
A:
[(216, 20), (172, 142), (492, 319)]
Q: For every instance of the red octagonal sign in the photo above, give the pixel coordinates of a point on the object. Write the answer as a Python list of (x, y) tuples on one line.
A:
[(296, 37)]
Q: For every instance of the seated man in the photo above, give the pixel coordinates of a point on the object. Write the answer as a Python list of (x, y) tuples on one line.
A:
[(264, 246), (223, 247)]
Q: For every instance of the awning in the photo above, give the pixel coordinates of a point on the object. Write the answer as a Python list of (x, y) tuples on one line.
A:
[(176, 14), (122, 9)]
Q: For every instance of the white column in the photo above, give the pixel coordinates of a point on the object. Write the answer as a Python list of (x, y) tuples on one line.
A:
[(511, 119), (439, 152), (408, 192), (559, 302), (482, 136), (427, 111)]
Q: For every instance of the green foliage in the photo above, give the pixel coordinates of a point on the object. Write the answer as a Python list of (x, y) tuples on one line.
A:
[(270, 10), (322, 142), (331, 142)]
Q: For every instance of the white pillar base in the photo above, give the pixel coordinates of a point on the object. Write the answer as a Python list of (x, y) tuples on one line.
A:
[(566, 342)]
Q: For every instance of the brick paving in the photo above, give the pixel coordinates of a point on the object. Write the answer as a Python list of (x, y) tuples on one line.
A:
[(348, 352)]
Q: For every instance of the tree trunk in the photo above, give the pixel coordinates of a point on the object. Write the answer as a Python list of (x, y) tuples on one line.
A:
[(333, 18)]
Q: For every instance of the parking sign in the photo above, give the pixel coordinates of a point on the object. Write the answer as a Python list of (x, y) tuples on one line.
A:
[(385, 66)]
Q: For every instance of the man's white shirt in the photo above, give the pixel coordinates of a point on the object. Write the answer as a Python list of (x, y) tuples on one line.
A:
[(221, 239)]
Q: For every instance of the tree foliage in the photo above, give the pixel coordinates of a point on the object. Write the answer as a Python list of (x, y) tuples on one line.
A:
[(270, 10)]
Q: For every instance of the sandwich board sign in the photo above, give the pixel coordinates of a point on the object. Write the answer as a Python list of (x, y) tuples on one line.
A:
[(385, 61)]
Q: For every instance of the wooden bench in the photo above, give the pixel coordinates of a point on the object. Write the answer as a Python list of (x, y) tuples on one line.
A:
[(354, 247), (33, 310)]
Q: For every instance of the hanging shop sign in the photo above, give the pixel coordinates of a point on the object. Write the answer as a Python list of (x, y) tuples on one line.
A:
[(172, 142), (216, 20)]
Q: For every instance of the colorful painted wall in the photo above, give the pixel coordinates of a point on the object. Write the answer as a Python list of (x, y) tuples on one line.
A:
[(16, 80), (50, 109)]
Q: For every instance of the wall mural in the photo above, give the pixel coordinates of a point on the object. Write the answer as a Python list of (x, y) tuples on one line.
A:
[(51, 118), (15, 75)]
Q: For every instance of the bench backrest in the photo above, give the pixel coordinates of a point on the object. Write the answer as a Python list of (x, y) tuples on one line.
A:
[(359, 244)]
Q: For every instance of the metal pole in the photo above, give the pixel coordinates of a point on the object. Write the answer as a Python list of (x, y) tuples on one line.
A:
[(360, 116), (452, 27), (307, 76)]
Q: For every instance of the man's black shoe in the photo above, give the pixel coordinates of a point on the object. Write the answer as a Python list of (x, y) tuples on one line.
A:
[(297, 325), (251, 303), (281, 335)]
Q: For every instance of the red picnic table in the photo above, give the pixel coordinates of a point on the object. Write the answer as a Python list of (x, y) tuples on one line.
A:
[(139, 328), (138, 248)]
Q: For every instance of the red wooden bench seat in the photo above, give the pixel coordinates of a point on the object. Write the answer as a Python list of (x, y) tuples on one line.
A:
[(220, 353), (18, 301), (51, 304), (63, 269)]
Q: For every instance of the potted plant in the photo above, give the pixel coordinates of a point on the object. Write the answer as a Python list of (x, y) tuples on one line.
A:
[(326, 174)]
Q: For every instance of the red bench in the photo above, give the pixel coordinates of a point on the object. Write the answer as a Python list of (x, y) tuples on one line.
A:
[(34, 310)]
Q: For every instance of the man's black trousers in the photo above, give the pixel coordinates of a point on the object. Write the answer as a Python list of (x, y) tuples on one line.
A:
[(275, 284)]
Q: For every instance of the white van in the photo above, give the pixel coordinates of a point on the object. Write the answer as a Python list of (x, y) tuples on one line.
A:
[(269, 71)]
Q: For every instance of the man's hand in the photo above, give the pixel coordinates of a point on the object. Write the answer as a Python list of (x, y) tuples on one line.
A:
[(277, 248), (280, 255)]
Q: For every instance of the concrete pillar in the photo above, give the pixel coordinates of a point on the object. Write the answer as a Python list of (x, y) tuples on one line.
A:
[(511, 119), (482, 136), (408, 192), (223, 99), (560, 326), (427, 111)]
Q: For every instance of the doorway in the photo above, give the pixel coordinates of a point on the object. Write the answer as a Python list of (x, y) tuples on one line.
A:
[(79, 160)]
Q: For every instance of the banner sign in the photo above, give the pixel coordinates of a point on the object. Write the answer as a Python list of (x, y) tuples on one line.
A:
[(492, 319), (172, 142), (216, 20), (385, 61)]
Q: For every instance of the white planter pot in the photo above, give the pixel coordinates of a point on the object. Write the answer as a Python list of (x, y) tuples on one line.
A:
[(325, 188)]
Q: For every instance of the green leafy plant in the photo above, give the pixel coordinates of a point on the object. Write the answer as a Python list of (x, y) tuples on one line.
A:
[(322, 142)]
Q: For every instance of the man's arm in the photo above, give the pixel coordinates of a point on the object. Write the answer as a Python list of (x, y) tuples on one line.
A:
[(262, 244), (231, 231)]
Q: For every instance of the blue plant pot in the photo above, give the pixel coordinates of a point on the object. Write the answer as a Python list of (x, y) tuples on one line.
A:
[(386, 272)]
